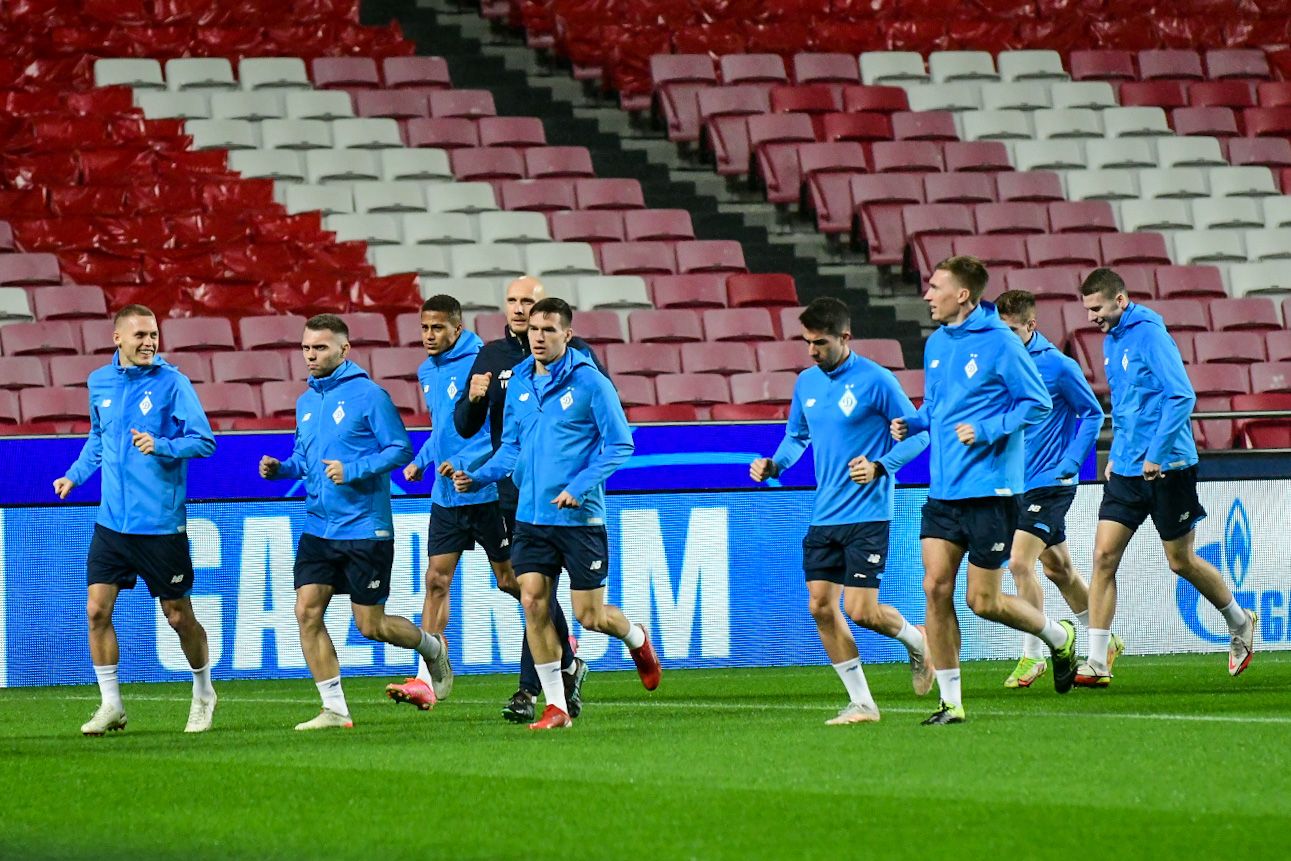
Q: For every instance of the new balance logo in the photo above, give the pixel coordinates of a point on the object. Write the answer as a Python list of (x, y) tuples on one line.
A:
[(873, 559), (178, 578), (374, 584), (506, 542), (997, 547), (595, 566), (1184, 516), (1034, 509)]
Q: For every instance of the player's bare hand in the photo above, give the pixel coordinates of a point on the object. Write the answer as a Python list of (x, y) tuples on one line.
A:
[(900, 429), (862, 470), (1107, 472), (463, 482), (565, 500), (269, 466), (967, 433), (143, 441), (446, 469), (762, 469), (335, 471), (1151, 471), (412, 472), (479, 386), (63, 486)]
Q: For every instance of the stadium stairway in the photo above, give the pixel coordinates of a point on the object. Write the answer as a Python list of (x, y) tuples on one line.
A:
[(499, 62)]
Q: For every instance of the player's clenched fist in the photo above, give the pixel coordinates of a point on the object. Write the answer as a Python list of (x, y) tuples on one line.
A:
[(63, 486), (335, 471), (463, 482), (412, 472), (862, 470), (967, 433), (762, 469), (900, 430), (143, 441), (479, 386), (269, 466)]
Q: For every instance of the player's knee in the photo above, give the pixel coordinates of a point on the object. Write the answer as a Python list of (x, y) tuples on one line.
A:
[(535, 603), (99, 614), (592, 618), (822, 609), (1179, 562), (1020, 566), (439, 583), (178, 618), (1060, 575), (372, 629), (867, 617), (938, 590), (1106, 561), (983, 603), (308, 616)]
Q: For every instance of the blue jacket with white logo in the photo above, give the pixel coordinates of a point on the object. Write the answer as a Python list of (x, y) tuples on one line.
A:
[(563, 431), (142, 494), (844, 413), (444, 380), (1151, 395), (1058, 445), (978, 373), (347, 417)]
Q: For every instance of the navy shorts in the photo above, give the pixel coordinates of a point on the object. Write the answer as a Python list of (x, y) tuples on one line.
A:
[(357, 567), (163, 561), (457, 529), (850, 554), (984, 526), (1043, 513), (1171, 501), (583, 551)]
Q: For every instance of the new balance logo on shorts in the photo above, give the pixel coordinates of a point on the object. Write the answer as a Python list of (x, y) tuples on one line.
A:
[(506, 542), (178, 578), (595, 566), (374, 584), (1184, 516), (873, 559), (1034, 509), (997, 547)]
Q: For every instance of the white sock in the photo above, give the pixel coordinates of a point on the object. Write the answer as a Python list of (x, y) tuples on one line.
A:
[(571, 669), (1032, 647), (1098, 639), (1053, 634), (858, 690), (635, 637), (1082, 618), (553, 686), (1235, 616), (333, 696), (910, 637), (429, 649), (109, 689), (948, 687), (423, 670), (202, 689)]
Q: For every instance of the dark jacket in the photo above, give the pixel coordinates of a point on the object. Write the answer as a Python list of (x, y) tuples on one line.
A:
[(499, 358)]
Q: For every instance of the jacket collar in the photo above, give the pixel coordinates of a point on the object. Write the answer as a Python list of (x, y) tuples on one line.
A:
[(131, 371), (344, 372)]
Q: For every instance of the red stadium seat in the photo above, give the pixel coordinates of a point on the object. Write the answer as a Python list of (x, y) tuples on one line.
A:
[(814, 100), (69, 371), (1233, 347), (254, 368), (397, 363), (761, 291), (1270, 122), (1221, 94), (487, 164), (699, 290), (664, 413), (723, 112), (864, 127), (62, 406), (1065, 249), (1270, 377), (1273, 153), (678, 78), (1059, 282), (462, 103), (787, 324), (883, 351), (643, 359), (599, 327), (998, 252), (752, 69), (878, 202), (928, 229), (634, 391), (1015, 218), (879, 99), (1172, 65), (984, 156), (1252, 313), (587, 226), (774, 139), (782, 356), (663, 225), (197, 333), (906, 157), (224, 402), (538, 195), (569, 162), (29, 269), (1160, 94), (1215, 379), (40, 339), (10, 414), (1263, 433), (710, 255), (748, 412), (763, 388), (717, 358), (394, 104), (961, 188), (1181, 282), (1237, 64), (694, 389), (416, 72), (609, 194), (511, 131), (739, 324), (1082, 216), (1214, 122), (1182, 315), (69, 303), (1278, 344), (666, 326), (26, 372), (912, 383), (274, 332), (368, 329), (924, 126), (638, 258), (1101, 65), (443, 133), (1125, 249), (827, 170), (280, 398), (826, 69), (1273, 94)]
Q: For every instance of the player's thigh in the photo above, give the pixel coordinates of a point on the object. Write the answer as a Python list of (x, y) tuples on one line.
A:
[(1176, 508), (588, 601), (991, 524), (1057, 563), (822, 596), (984, 583), (1026, 551), (368, 566), (941, 560), (311, 602), (178, 611), (1110, 540), (100, 600), (585, 554), (861, 602), (1127, 500)]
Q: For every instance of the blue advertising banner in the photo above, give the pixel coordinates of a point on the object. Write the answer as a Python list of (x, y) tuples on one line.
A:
[(715, 586)]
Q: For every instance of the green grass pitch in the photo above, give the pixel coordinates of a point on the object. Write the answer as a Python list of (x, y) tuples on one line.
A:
[(1176, 760)]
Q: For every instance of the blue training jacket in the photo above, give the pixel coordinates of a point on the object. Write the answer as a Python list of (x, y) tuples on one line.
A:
[(445, 380), (142, 494), (1059, 444), (844, 413), (1151, 395), (977, 372), (563, 431), (347, 417)]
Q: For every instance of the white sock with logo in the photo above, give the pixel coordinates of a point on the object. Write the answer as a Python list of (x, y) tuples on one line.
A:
[(1053, 634), (202, 689), (635, 637), (910, 637), (553, 686), (858, 689), (109, 688), (1235, 616), (1082, 619), (1098, 640), (1032, 647), (333, 696), (948, 687)]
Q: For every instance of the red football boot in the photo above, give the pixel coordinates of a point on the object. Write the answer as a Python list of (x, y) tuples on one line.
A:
[(414, 692), (552, 718), (647, 662)]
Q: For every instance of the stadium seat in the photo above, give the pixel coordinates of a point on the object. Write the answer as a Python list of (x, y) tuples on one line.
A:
[(723, 112), (487, 164), (39, 339), (634, 391), (14, 305), (877, 99), (998, 252), (1273, 153), (638, 258), (462, 103), (1171, 65), (1222, 94), (643, 225), (774, 139), (439, 228), (66, 371), (1164, 214), (380, 229), (1014, 97), (1217, 122), (416, 72), (1234, 347), (27, 372), (1128, 249), (962, 188), (488, 261), (256, 73), (1237, 64), (695, 389), (546, 162), (511, 131), (710, 255), (877, 205), (296, 134), (612, 292), (324, 166), (912, 383), (1270, 276), (537, 195), (1227, 213), (396, 363), (976, 156), (1248, 181), (1254, 313), (253, 368), (739, 324), (1183, 282), (1209, 246), (643, 359), (1017, 218), (662, 326), (592, 226), (763, 388), (62, 406), (1062, 250), (1269, 377), (320, 105), (781, 356), (1031, 65), (1263, 433), (466, 197), (946, 66), (761, 291), (1182, 315), (663, 414), (517, 228), (766, 69), (95, 336), (609, 194), (1101, 65), (678, 78), (1086, 95), (182, 106), (29, 269), (717, 358), (811, 68), (827, 170), (1160, 94), (1082, 216), (995, 125), (1058, 282), (344, 72), (1174, 182), (197, 333), (892, 68), (274, 332), (924, 125), (1034, 186), (561, 258), (702, 290), (1068, 124), (883, 351), (391, 104), (1210, 380), (444, 133), (138, 74)]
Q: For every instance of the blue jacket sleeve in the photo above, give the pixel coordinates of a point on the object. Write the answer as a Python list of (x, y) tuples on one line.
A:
[(1074, 389), (503, 461), (1031, 401), (294, 466), (1177, 396), (475, 450), (195, 438), (392, 438), (91, 455), (426, 454), (893, 403), (796, 435), (616, 440)]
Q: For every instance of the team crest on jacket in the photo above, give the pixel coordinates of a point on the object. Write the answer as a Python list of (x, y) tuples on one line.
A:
[(847, 402), (145, 405), (1125, 361), (567, 400), (452, 388), (971, 368), (338, 413)]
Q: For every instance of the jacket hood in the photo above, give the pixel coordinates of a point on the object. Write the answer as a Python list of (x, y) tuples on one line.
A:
[(1133, 315), (569, 362), (468, 344), (842, 366), (157, 362), (983, 318), (344, 372), (1039, 344)]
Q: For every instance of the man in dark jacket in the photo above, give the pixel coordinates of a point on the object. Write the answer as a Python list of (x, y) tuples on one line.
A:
[(484, 403)]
